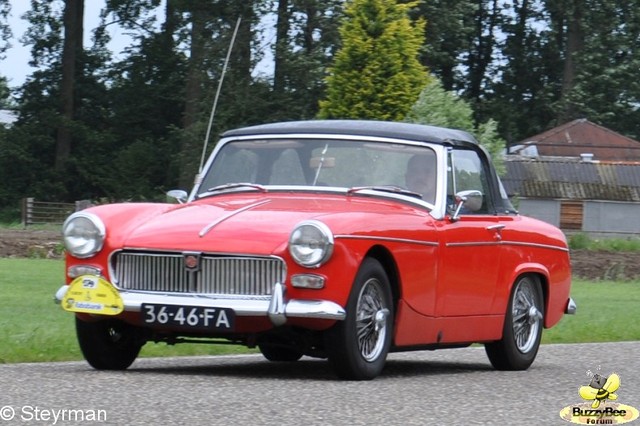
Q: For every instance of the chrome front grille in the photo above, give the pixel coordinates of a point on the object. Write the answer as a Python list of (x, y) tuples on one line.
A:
[(220, 275)]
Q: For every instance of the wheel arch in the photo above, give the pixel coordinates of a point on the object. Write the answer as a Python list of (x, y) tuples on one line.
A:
[(388, 262), (541, 275)]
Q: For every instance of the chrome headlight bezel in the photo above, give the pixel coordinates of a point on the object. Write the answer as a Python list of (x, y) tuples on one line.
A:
[(83, 234), (311, 243)]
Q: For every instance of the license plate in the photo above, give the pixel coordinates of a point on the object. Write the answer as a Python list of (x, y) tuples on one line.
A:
[(192, 317)]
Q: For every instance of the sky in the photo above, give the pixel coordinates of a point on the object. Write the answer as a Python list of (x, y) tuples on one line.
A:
[(16, 64)]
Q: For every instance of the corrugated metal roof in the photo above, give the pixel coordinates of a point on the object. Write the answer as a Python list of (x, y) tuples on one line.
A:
[(569, 178), (582, 136)]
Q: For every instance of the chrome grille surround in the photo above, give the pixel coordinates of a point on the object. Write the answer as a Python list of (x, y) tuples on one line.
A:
[(219, 275)]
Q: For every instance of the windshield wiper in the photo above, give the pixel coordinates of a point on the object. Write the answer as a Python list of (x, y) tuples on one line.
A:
[(234, 185), (386, 188)]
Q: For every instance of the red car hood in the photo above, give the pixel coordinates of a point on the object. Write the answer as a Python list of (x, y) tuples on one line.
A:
[(251, 225)]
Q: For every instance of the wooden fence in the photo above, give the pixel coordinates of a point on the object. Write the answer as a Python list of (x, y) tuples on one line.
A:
[(39, 212)]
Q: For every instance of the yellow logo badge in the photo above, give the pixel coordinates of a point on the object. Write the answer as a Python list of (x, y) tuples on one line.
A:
[(599, 410), (92, 295)]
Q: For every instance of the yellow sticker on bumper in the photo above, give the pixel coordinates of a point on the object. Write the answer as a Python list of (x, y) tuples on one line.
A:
[(92, 295)]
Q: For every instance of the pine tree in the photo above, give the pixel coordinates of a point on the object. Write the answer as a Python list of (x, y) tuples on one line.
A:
[(376, 73)]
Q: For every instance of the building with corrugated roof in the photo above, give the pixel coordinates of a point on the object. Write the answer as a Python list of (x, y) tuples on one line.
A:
[(597, 197), (579, 176), (580, 138)]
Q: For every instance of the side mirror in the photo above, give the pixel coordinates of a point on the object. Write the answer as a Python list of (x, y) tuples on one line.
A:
[(178, 195), (470, 200)]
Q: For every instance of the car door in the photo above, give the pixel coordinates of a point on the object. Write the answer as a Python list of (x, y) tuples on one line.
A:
[(470, 240)]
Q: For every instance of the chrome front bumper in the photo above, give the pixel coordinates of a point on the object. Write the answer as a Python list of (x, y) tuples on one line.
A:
[(274, 307), (571, 307)]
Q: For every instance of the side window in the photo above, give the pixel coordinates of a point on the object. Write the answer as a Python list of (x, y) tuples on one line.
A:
[(465, 172)]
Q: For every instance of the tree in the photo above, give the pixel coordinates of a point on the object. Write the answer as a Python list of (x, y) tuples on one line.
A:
[(446, 38), (5, 94), (71, 54), (438, 107), (306, 40), (523, 98), (600, 79), (376, 72), (482, 43), (5, 29)]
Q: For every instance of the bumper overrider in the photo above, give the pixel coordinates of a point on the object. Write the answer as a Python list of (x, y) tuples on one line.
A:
[(94, 295)]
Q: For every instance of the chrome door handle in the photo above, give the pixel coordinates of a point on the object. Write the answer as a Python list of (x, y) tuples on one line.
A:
[(496, 228)]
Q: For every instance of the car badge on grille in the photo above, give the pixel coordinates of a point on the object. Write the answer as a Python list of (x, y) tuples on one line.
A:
[(191, 261)]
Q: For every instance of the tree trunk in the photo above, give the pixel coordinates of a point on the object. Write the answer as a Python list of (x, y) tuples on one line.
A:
[(71, 53), (282, 41), (189, 150), (575, 44), (196, 60), (482, 53)]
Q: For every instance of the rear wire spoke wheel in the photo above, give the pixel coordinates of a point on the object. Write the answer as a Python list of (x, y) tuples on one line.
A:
[(522, 330), (358, 346), (108, 344)]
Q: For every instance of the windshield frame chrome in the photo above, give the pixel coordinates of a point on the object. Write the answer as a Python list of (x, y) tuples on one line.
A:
[(436, 209)]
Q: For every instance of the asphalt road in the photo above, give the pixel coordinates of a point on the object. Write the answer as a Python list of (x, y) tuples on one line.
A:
[(446, 387)]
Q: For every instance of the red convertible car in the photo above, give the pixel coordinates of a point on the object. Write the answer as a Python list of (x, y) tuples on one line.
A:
[(340, 239)]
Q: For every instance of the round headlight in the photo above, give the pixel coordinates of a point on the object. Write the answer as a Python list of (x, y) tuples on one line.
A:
[(311, 243), (83, 234)]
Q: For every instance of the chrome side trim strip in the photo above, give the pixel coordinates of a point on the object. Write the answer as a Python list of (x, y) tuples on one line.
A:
[(474, 243), (506, 243), (545, 246), (387, 239)]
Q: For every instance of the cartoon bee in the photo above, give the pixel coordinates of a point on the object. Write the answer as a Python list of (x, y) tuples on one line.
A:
[(600, 389)]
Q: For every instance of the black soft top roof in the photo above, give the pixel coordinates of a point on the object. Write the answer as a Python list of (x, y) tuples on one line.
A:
[(386, 129)]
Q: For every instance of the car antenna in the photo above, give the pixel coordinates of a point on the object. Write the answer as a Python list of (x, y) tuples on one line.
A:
[(215, 101)]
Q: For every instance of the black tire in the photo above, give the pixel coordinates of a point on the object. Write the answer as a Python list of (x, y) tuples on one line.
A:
[(278, 353), (523, 326), (357, 347), (108, 344)]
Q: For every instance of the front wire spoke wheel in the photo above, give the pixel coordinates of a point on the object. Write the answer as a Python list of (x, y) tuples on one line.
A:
[(371, 330), (357, 347)]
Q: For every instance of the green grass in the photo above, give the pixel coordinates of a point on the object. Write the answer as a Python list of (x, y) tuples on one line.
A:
[(608, 311), (581, 241), (33, 328)]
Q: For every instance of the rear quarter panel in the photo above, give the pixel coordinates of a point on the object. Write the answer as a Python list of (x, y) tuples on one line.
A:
[(533, 246)]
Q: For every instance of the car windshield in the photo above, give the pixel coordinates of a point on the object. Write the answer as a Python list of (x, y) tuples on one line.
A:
[(350, 164)]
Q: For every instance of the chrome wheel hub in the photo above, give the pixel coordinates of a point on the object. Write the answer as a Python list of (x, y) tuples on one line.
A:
[(527, 318), (371, 320)]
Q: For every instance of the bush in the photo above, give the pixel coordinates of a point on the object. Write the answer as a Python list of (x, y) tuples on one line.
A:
[(579, 241)]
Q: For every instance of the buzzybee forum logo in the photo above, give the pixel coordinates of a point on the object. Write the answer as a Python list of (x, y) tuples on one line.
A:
[(601, 406)]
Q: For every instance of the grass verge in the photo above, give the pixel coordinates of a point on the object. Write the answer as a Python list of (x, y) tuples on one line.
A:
[(34, 329), (607, 312)]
